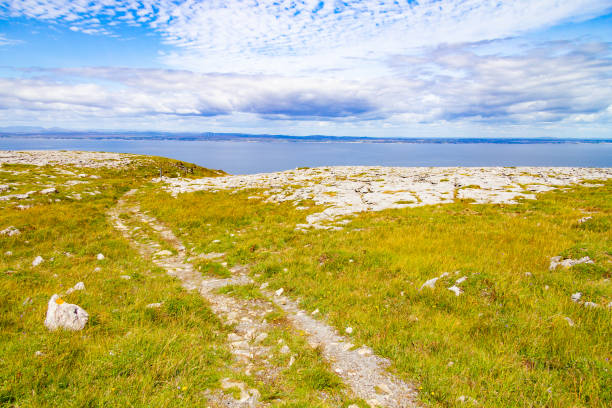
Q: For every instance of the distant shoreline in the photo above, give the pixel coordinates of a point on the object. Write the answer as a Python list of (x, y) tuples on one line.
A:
[(240, 137)]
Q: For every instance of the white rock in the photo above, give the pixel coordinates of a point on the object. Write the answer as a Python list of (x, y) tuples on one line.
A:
[(291, 361), (456, 290), (97, 269), (430, 283), (590, 305), (163, 252), (8, 253), (78, 286), (528, 274), (584, 219), (610, 305), (315, 312), (348, 330), (39, 353), (125, 277), (279, 292), (154, 305), (285, 349), (10, 231), (261, 337), (216, 241), (65, 315), (48, 190), (464, 399), (99, 257), (557, 261), (264, 285), (460, 280), (37, 261), (576, 296)]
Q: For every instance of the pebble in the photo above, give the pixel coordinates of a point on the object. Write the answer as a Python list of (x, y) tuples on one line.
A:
[(163, 252), (456, 290), (291, 361), (97, 269), (78, 286), (8, 253), (10, 231), (37, 261), (99, 257), (576, 296), (590, 305), (264, 285), (126, 277), (39, 353), (261, 337), (154, 305), (216, 241), (279, 292), (315, 312), (348, 330), (285, 349)]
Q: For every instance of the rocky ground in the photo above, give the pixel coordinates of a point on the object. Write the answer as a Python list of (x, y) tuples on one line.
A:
[(351, 189), (55, 157)]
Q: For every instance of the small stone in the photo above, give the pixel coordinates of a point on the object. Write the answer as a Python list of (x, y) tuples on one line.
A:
[(353, 406), (590, 305), (291, 361), (37, 261), (431, 283), (10, 231), (154, 305), (125, 277), (450, 364), (216, 241), (315, 312), (49, 190), (97, 269), (348, 330), (285, 349), (364, 351), (39, 353), (584, 219), (460, 280), (279, 292), (78, 286), (264, 285), (528, 274), (8, 253), (261, 337), (576, 296), (163, 253), (384, 388), (456, 290), (233, 337), (99, 257)]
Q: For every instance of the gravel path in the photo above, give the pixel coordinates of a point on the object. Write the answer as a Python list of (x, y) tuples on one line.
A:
[(363, 372)]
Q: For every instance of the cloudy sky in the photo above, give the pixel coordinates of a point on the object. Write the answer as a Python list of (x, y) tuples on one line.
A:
[(437, 68)]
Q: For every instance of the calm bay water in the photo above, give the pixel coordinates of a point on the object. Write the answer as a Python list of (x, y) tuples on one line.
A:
[(239, 157)]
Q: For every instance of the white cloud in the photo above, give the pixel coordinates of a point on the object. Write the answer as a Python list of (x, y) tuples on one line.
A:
[(300, 36), (553, 83)]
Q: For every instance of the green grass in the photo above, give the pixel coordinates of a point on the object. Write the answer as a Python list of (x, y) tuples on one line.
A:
[(504, 342), (127, 355)]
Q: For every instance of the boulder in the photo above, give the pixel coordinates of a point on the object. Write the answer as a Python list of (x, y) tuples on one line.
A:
[(65, 315)]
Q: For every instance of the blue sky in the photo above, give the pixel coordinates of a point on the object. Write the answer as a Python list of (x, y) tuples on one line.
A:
[(444, 68)]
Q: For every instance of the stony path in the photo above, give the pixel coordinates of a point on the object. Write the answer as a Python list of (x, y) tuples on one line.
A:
[(362, 371)]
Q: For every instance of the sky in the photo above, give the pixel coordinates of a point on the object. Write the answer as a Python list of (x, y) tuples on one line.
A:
[(397, 68)]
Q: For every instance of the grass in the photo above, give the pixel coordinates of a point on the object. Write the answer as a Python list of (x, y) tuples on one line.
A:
[(504, 342), (127, 355)]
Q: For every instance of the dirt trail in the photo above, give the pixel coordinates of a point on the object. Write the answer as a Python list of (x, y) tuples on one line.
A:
[(362, 371)]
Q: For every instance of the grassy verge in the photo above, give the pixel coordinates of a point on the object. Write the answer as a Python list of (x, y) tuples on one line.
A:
[(506, 341)]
